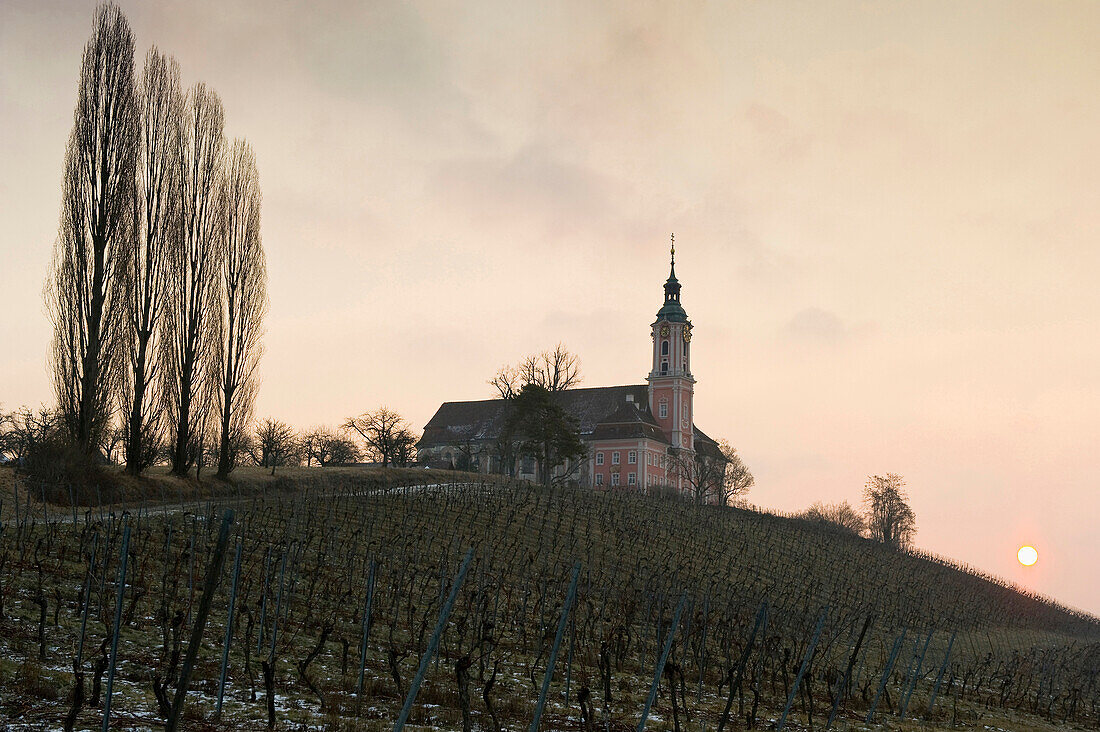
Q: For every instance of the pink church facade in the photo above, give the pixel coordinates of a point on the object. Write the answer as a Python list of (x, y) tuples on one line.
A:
[(638, 437), (642, 446)]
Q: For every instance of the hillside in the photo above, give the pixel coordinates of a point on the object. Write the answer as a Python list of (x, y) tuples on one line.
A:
[(309, 539)]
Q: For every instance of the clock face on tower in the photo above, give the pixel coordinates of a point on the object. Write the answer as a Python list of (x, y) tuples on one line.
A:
[(687, 332), (664, 330)]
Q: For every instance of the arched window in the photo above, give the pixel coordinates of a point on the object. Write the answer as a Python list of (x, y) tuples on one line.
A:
[(664, 348)]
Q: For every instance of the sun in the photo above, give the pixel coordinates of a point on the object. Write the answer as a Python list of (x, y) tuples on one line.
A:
[(1027, 555)]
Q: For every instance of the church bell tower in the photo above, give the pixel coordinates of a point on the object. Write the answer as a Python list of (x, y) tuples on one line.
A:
[(671, 385)]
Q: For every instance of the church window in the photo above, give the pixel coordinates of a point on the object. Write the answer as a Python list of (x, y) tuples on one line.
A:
[(614, 479), (615, 458), (664, 348), (664, 410), (632, 457), (599, 458), (599, 478), (632, 479), (664, 367)]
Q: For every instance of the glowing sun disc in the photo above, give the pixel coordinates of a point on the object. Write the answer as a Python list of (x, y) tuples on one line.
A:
[(1027, 555)]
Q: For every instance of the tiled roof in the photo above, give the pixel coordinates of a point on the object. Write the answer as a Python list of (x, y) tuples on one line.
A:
[(704, 445), (483, 420), (601, 412), (629, 422)]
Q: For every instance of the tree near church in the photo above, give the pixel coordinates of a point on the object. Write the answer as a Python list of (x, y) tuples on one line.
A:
[(156, 231), (404, 452), (555, 370), (193, 298), (543, 430), (243, 302), (387, 436), (717, 475), (888, 515), (85, 292)]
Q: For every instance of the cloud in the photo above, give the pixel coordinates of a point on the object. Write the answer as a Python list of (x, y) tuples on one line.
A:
[(815, 325), (534, 187)]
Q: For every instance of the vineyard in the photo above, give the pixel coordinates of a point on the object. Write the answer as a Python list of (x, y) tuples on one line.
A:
[(347, 599)]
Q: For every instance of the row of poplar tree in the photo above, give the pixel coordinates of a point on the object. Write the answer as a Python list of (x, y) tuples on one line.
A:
[(158, 287)]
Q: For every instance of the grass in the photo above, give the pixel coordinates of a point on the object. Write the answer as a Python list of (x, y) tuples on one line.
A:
[(159, 486)]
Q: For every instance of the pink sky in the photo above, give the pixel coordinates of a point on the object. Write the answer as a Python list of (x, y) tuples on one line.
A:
[(887, 218)]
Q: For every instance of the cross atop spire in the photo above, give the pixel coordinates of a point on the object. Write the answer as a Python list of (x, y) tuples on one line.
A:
[(671, 309), (672, 253)]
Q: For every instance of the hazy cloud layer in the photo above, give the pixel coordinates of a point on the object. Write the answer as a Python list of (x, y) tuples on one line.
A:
[(887, 218)]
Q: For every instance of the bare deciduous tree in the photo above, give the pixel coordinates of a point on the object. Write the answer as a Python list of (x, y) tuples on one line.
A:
[(156, 231), (328, 448), (192, 302), (737, 478), (243, 302), (717, 475), (275, 443), (86, 289), (113, 444), (386, 435), (889, 517), (506, 382), (7, 435), (23, 429), (842, 515), (404, 450), (555, 370)]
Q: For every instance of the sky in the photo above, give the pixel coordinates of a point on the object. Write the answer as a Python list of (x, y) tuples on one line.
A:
[(887, 219)]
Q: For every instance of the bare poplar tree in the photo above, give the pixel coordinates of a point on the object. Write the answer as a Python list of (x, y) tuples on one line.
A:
[(243, 295), (193, 295), (86, 288), (156, 233)]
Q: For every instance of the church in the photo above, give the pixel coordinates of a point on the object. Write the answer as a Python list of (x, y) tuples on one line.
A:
[(639, 436)]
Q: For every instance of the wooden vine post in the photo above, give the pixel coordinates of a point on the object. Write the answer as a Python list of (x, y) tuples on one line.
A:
[(565, 608), (802, 669), (426, 660), (661, 662), (213, 577)]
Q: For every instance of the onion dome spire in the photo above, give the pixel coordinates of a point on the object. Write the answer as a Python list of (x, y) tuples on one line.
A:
[(671, 310)]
